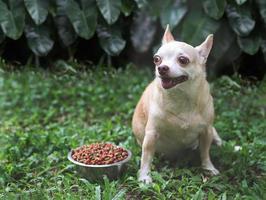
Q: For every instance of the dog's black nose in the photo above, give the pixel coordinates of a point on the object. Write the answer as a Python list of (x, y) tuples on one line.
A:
[(163, 69)]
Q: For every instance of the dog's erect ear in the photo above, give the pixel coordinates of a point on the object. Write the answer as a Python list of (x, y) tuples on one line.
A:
[(205, 48), (167, 37)]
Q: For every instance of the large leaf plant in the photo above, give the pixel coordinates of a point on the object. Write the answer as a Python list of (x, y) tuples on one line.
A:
[(238, 25)]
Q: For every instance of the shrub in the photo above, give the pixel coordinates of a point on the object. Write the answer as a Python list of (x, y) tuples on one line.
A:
[(238, 25)]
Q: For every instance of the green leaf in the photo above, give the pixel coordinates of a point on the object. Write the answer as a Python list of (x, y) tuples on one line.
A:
[(263, 49), (110, 9), (224, 196), (240, 2), (142, 34), (225, 50), (141, 3), (198, 196), (120, 195), (173, 13), (155, 7), (262, 9), (61, 7), (240, 19), (38, 38), (214, 8), (111, 40), (197, 26), (127, 7), (98, 192), (65, 30), (250, 44), (83, 20), (38, 10), (2, 36), (12, 20)]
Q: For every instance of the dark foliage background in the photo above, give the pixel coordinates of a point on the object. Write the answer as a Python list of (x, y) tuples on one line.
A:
[(122, 31)]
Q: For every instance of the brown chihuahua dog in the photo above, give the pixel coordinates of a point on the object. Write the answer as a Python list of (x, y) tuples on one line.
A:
[(176, 110)]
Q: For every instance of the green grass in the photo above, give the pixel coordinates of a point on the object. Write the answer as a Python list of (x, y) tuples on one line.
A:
[(43, 115)]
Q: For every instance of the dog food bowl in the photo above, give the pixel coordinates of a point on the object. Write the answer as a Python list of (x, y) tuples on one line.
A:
[(95, 173)]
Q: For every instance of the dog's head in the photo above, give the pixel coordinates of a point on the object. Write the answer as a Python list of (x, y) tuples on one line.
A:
[(177, 62)]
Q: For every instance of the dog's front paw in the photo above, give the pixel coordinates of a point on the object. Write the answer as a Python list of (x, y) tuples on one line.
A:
[(209, 168), (145, 179), (212, 171)]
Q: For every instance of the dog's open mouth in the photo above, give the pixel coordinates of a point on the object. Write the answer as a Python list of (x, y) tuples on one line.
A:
[(168, 83)]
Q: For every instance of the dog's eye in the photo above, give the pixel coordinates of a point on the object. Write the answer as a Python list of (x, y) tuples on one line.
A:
[(183, 60), (157, 60)]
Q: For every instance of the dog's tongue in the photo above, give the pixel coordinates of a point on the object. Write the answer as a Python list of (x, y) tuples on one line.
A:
[(167, 83)]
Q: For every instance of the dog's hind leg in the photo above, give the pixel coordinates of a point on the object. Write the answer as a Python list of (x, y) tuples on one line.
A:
[(205, 141), (216, 138)]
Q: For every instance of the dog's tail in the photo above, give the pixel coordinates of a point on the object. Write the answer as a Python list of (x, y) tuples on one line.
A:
[(216, 138)]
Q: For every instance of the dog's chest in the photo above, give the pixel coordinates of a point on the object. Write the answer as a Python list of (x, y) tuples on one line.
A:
[(178, 126)]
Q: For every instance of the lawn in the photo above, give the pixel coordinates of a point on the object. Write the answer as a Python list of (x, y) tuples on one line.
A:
[(44, 115)]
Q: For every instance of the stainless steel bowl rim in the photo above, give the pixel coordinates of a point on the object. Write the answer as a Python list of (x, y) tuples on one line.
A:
[(69, 156)]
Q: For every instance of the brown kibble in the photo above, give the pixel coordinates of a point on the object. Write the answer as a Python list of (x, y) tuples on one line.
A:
[(99, 154)]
